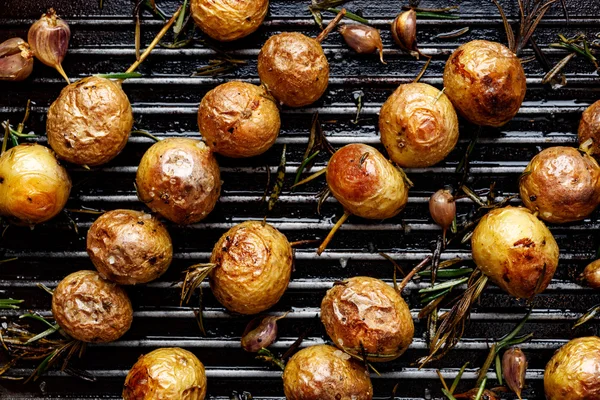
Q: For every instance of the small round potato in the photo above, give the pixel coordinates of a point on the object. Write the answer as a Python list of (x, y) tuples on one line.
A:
[(179, 179), (323, 372), (562, 184), (227, 20), (167, 373), (294, 68), (129, 247), (486, 82), (591, 274), (238, 119), (363, 311), (589, 127), (90, 309), (573, 373), (515, 250), (418, 125), (253, 267), (365, 183), (90, 122), (34, 187)]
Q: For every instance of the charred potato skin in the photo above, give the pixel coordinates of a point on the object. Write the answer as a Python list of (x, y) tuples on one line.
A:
[(238, 119), (129, 247), (486, 82), (90, 309), (591, 274), (179, 179), (367, 311), (418, 125), (589, 127), (514, 248), (90, 121), (323, 372), (365, 183), (253, 267), (165, 374), (294, 68), (573, 373), (227, 20), (562, 184), (34, 187)]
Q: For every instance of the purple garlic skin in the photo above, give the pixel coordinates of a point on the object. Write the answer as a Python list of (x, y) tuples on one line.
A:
[(49, 40), (363, 39), (514, 367), (16, 60), (260, 333)]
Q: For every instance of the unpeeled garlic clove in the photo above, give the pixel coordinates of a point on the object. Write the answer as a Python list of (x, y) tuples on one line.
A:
[(363, 39), (16, 60), (260, 333), (49, 40), (442, 208), (514, 367), (404, 31)]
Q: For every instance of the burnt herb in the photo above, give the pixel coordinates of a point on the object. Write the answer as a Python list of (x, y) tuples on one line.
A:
[(194, 276), (267, 356), (587, 316), (358, 99), (219, 66), (323, 196), (317, 142), (452, 34), (576, 46), (276, 191), (317, 7), (240, 396)]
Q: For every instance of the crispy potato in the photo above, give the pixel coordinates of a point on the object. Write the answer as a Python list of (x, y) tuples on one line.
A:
[(323, 372), (167, 373), (515, 250), (34, 187), (591, 274), (179, 179), (90, 122), (129, 247), (238, 119), (486, 82), (90, 309), (418, 125), (227, 20), (573, 373), (294, 68), (589, 127), (562, 184), (253, 267), (366, 311), (365, 183)]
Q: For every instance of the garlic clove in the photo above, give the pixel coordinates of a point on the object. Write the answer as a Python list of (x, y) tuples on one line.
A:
[(404, 31), (16, 60), (49, 40), (363, 39)]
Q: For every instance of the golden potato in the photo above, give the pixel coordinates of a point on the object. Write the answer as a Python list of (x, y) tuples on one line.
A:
[(418, 125), (34, 187), (589, 127), (366, 311), (294, 68), (365, 183), (591, 274), (166, 374), (238, 119), (515, 250), (573, 373), (253, 267), (486, 82), (129, 247), (179, 179), (228, 20), (562, 184), (90, 309), (323, 372), (90, 122)]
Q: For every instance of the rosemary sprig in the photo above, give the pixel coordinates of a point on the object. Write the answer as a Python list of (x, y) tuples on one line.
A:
[(358, 99), (279, 179), (219, 66), (452, 34), (267, 356), (194, 276), (317, 7), (429, 14), (120, 75), (317, 142), (576, 46), (587, 316), (10, 303)]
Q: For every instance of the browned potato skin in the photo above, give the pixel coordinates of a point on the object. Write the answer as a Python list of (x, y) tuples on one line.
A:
[(418, 125), (238, 119), (367, 311), (591, 274), (294, 68), (589, 127), (573, 373), (254, 264), (179, 179), (90, 122), (562, 184), (227, 20), (374, 189), (513, 247), (165, 374), (34, 187), (90, 309), (323, 372), (129, 247), (486, 82)]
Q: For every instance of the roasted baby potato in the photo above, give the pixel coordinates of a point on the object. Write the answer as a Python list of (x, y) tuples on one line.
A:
[(179, 179), (90, 309), (129, 247), (589, 127), (238, 119), (323, 372), (34, 187), (366, 313), (591, 274), (227, 20), (167, 373)]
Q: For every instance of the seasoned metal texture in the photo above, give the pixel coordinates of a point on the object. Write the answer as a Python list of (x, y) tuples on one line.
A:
[(165, 103)]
